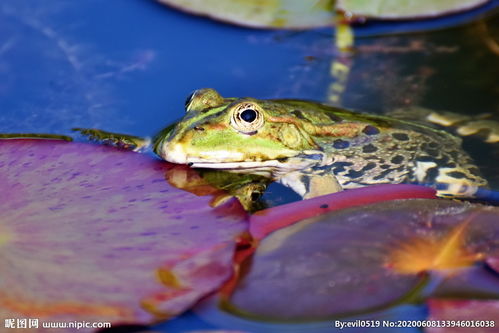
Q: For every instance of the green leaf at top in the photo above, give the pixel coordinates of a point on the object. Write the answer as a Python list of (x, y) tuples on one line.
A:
[(405, 9), (261, 13)]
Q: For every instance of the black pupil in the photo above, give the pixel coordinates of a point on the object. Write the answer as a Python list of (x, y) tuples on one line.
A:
[(248, 115)]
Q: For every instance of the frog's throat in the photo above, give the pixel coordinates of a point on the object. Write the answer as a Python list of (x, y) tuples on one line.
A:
[(235, 162), (270, 168)]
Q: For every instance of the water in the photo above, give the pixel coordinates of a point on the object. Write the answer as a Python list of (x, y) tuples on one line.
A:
[(127, 66)]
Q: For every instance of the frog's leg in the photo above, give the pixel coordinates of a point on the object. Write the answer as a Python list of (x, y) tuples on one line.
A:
[(124, 141), (7, 136), (311, 183)]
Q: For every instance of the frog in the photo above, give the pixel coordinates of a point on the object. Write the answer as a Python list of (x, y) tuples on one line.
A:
[(313, 148)]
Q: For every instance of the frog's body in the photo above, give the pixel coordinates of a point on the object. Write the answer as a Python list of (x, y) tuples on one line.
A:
[(316, 149)]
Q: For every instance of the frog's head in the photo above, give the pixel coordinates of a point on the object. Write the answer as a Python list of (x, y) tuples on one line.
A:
[(239, 134)]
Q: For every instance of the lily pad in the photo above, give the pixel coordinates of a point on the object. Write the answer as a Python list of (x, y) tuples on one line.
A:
[(464, 315), (266, 221), (320, 13), (365, 259), (407, 9), (262, 13), (95, 233)]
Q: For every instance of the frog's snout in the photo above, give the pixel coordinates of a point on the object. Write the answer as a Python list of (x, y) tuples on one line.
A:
[(171, 151)]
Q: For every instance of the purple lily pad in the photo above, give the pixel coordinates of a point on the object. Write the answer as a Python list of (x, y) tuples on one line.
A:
[(464, 315), (95, 233), (364, 259)]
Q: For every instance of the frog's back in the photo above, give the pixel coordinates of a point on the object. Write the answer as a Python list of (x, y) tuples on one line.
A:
[(389, 150)]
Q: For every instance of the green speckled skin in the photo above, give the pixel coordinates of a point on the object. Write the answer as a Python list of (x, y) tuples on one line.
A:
[(316, 149)]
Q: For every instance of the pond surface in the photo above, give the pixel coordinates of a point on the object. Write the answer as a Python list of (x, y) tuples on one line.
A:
[(128, 67)]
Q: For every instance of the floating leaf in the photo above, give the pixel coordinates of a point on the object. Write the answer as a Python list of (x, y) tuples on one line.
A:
[(464, 315), (266, 221), (342, 263), (262, 13), (408, 9), (317, 13), (431, 253), (95, 233)]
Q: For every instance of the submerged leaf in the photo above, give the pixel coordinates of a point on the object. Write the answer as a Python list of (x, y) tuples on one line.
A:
[(97, 234)]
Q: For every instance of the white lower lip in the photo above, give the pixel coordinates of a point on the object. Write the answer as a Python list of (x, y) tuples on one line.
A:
[(236, 165)]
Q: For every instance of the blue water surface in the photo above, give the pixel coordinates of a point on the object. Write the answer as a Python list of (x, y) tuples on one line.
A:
[(127, 66)]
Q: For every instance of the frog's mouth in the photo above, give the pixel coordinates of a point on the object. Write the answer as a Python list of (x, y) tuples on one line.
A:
[(235, 161)]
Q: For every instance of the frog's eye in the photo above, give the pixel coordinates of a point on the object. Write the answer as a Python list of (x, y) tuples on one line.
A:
[(247, 118), (203, 99)]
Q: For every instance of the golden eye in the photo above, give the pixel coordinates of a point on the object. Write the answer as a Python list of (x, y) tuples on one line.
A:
[(247, 118)]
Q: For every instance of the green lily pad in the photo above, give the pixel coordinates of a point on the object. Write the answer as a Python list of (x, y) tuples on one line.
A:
[(262, 13), (361, 260), (405, 9), (94, 233), (309, 14)]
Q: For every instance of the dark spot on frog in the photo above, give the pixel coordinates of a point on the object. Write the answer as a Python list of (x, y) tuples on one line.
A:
[(384, 166), (382, 175), (198, 128), (456, 174), (354, 174), (431, 174), (340, 166), (341, 144), (370, 148), (370, 130), (282, 159), (369, 166), (397, 159), (400, 136), (324, 206), (432, 152), (190, 164), (255, 196), (433, 145), (425, 159), (333, 117), (298, 114)]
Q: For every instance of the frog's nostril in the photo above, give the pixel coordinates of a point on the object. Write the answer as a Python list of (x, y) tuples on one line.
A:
[(197, 128)]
